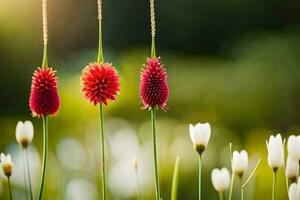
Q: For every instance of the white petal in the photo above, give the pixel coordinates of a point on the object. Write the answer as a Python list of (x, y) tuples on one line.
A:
[(192, 133), (292, 167), (293, 192), (28, 126)]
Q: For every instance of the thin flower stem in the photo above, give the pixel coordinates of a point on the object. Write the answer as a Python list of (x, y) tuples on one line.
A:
[(274, 186), (153, 118), (153, 50), (45, 34), (28, 173), (242, 193), (153, 28), (24, 173), (200, 173), (252, 174), (221, 196), (9, 188), (100, 58), (45, 154), (232, 174), (102, 152)]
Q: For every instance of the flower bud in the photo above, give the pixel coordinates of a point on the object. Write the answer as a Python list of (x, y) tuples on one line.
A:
[(240, 162), (220, 179), (294, 190), (294, 147), (292, 168), (275, 152), (6, 164), (200, 134), (24, 133)]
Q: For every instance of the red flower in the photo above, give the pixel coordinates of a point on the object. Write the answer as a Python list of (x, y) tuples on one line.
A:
[(154, 90), (100, 82), (44, 99)]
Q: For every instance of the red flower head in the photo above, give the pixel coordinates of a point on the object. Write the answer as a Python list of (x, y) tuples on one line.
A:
[(154, 90), (100, 82), (44, 99)]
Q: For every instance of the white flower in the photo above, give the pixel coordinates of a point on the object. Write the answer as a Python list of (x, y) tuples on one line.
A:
[(240, 162), (220, 179), (294, 191), (6, 164), (292, 168), (200, 134), (294, 146), (275, 152), (24, 133)]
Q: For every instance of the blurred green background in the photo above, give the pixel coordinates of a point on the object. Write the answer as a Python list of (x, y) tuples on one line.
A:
[(235, 64)]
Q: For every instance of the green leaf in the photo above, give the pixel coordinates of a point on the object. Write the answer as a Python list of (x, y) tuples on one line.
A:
[(175, 179)]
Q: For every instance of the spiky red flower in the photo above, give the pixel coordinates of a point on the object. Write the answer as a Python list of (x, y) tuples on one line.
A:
[(44, 99), (100, 82), (154, 90)]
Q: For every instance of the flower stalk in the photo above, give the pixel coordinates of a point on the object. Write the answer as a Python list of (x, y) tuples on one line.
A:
[(28, 174), (156, 171), (45, 155), (25, 174), (274, 186), (9, 188), (102, 152), (200, 173), (221, 196), (232, 174)]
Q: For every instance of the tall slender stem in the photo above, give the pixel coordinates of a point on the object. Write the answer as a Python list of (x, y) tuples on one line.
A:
[(231, 186), (156, 171), (24, 173), (45, 154), (9, 188), (200, 173), (102, 152), (45, 34), (153, 29), (274, 186), (221, 196), (28, 173), (242, 193), (232, 174), (100, 58)]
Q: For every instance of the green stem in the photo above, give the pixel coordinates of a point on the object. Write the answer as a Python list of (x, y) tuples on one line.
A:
[(28, 174), (45, 58), (232, 174), (153, 117), (242, 193), (274, 184), (24, 173), (221, 196), (200, 173), (45, 154), (153, 50), (102, 152), (175, 179), (100, 58), (231, 186), (9, 188)]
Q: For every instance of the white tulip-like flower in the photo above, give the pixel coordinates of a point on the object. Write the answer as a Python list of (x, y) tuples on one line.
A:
[(294, 191), (240, 162), (294, 146), (24, 133), (292, 168), (220, 179), (200, 134), (275, 152), (6, 164)]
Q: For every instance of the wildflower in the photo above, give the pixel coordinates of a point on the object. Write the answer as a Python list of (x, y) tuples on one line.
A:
[(240, 162), (100, 83), (44, 99), (154, 89), (200, 135), (294, 147), (6, 164), (24, 133), (275, 152), (292, 168), (220, 179)]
